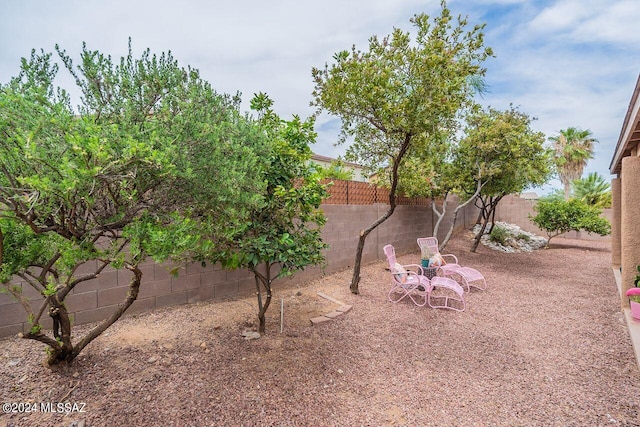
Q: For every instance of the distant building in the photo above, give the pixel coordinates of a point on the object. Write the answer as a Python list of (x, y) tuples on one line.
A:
[(357, 170)]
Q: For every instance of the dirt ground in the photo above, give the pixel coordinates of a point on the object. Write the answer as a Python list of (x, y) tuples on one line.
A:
[(544, 345)]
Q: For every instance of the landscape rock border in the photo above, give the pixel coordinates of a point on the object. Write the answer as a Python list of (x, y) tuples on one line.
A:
[(518, 240)]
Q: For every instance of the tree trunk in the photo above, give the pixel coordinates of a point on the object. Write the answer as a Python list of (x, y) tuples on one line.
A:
[(263, 305), (61, 347), (567, 190), (487, 212), (440, 215), (355, 279), (473, 198)]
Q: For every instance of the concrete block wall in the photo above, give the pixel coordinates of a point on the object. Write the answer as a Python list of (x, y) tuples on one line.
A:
[(96, 299)]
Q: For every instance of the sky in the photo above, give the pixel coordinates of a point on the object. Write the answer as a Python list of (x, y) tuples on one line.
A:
[(567, 63)]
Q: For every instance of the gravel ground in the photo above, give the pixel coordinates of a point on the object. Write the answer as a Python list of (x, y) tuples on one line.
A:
[(544, 345)]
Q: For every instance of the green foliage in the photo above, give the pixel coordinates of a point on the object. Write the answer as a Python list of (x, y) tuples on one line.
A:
[(593, 190), (499, 235), (557, 216), (501, 150), (284, 230), (500, 154), (401, 93), (636, 281), (336, 170), (573, 147), (152, 159)]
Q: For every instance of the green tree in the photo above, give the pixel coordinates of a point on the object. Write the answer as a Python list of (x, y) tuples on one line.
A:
[(433, 173), (151, 147), (399, 93), (282, 234), (336, 170), (502, 152), (593, 190), (557, 216), (573, 147)]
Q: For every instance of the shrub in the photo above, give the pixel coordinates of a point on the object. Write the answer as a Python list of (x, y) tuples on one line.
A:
[(557, 216), (499, 235)]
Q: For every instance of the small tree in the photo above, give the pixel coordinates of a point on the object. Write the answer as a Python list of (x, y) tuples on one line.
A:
[(432, 173), (282, 234), (113, 184), (558, 216), (501, 152), (400, 93)]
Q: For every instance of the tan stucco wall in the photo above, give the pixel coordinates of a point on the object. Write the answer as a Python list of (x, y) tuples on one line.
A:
[(630, 222), (616, 196)]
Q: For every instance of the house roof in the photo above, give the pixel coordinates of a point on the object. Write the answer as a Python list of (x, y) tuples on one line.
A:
[(321, 158), (630, 133)]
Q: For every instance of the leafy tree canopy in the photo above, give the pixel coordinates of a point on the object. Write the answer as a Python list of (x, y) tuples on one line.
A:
[(282, 234), (150, 156), (401, 92), (557, 216), (504, 154), (593, 190), (573, 147)]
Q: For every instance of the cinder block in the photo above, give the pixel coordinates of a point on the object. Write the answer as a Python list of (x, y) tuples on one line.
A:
[(142, 305), (81, 302), (94, 315), (105, 280), (247, 286), (156, 288), (212, 277), (183, 283), (223, 290), (46, 322), (107, 297), (163, 271), (172, 299), (14, 313), (238, 274), (88, 267), (148, 272), (203, 293), (10, 330)]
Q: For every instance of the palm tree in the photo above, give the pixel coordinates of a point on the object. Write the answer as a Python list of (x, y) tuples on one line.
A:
[(593, 190), (573, 148)]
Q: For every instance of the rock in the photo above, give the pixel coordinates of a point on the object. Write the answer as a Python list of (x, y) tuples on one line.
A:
[(152, 359), (203, 345), (517, 241), (251, 335)]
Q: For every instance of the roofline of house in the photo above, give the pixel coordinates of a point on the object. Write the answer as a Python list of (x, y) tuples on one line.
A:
[(321, 158), (627, 130)]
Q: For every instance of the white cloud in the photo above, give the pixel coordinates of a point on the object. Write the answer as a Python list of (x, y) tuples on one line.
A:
[(567, 62)]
